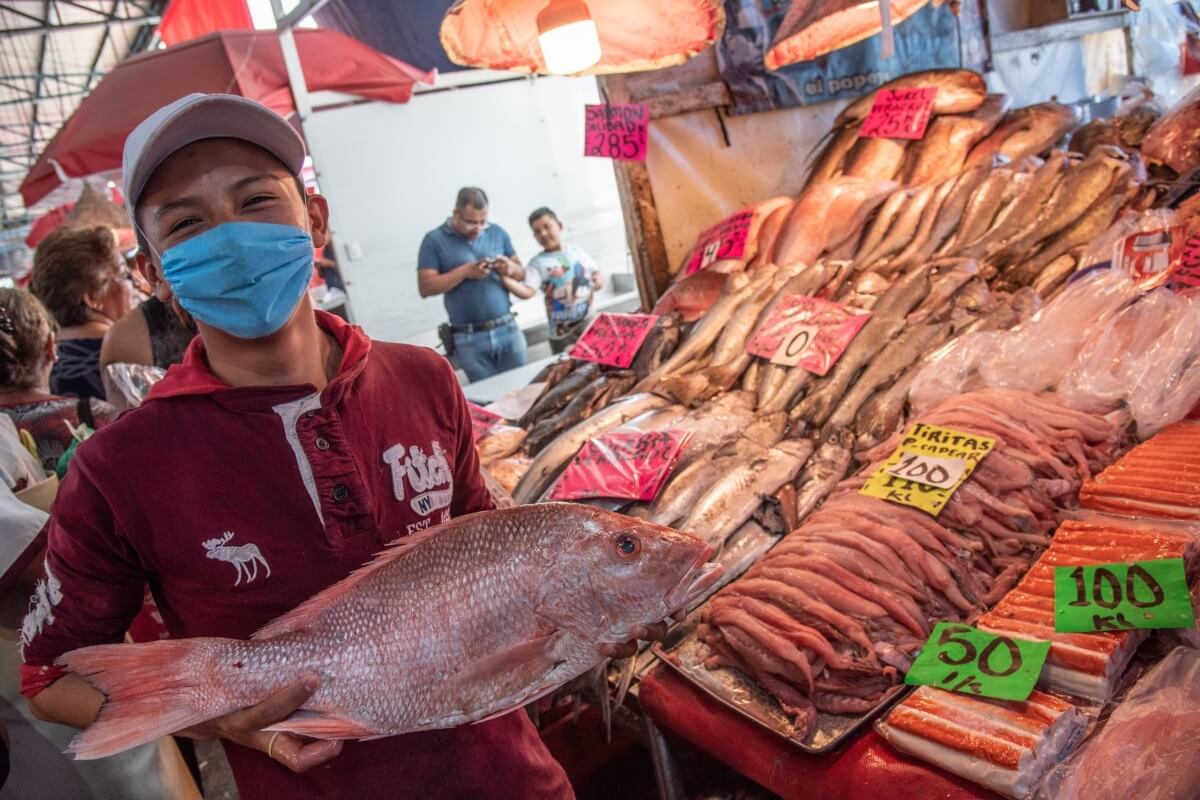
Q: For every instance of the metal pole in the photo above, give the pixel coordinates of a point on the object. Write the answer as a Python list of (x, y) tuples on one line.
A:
[(291, 60)]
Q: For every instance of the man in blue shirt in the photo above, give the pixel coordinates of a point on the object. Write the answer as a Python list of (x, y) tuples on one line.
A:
[(475, 266)]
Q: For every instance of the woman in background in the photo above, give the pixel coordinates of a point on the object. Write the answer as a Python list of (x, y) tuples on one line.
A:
[(568, 277), (27, 356), (81, 278)]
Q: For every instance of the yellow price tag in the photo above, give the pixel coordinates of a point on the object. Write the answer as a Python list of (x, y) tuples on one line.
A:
[(951, 458)]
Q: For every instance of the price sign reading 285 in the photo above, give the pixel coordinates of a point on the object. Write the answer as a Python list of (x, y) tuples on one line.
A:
[(1115, 597), (616, 131), (963, 659)]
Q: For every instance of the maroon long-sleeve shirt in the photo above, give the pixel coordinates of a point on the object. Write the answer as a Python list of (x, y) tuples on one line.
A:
[(258, 498)]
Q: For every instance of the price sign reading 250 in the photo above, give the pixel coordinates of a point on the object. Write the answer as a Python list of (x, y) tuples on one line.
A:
[(960, 658), (1113, 597)]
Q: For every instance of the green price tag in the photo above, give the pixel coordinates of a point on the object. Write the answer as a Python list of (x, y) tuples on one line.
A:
[(960, 658), (1120, 597)]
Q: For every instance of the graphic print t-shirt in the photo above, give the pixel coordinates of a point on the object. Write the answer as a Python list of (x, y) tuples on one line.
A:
[(566, 273)]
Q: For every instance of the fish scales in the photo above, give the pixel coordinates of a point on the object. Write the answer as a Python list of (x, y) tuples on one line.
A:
[(472, 618)]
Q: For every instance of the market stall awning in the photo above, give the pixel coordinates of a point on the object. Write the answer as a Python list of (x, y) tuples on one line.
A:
[(634, 35), (248, 63)]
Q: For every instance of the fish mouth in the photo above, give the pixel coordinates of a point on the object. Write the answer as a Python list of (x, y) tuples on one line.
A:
[(698, 580)]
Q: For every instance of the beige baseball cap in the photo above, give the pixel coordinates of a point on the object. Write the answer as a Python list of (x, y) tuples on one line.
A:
[(204, 116)]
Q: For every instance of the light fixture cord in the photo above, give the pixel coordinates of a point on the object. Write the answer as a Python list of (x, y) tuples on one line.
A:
[(885, 14)]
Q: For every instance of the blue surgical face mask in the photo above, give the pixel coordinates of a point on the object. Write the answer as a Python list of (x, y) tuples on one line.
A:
[(245, 278)]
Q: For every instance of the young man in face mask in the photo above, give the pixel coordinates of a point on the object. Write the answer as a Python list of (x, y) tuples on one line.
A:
[(288, 449)]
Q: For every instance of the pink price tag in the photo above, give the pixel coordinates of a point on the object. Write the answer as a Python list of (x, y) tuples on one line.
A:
[(807, 332), (633, 465), (1151, 256), (1186, 279), (726, 239), (619, 132), (482, 420), (614, 339), (899, 113)]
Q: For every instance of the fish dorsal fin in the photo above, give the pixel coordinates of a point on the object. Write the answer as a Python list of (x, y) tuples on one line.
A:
[(306, 612)]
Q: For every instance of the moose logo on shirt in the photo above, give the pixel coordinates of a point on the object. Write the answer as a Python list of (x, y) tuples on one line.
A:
[(245, 558), (424, 473)]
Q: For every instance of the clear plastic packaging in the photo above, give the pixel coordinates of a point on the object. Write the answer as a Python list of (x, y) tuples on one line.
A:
[(1148, 747), (134, 381), (1034, 356), (1110, 364), (1175, 139)]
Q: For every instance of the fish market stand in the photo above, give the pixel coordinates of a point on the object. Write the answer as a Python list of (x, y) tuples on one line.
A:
[(705, 164)]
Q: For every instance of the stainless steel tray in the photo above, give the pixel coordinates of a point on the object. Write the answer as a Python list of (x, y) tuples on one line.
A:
[(683, 652)]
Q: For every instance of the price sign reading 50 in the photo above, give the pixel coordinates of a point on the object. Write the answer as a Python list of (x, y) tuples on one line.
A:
[(960, 658), (1115, 597)]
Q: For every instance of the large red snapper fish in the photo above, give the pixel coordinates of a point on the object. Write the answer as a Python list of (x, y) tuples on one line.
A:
[(456, 624)]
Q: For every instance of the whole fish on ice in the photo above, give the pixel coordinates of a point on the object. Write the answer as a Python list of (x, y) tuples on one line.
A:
[(470, 619)]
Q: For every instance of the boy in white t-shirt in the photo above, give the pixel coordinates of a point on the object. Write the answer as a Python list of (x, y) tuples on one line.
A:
[(567, 276)]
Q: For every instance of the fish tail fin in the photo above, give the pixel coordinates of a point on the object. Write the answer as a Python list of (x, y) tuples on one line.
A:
[(151, 690)]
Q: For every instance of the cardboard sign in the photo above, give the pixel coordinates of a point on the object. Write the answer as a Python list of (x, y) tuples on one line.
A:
[(965, 449), (614, 339), (811, 333), (619, 132), (945, 473), (1119, 597), (899, 113), (726, 239), (1150, 255), (959, 658), (482, 421), (633, 465)]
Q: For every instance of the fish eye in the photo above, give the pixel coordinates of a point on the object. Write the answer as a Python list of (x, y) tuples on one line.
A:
[(628, 546)]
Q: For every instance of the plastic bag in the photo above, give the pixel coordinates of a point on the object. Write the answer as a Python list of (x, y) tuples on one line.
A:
[(1175, 139), (499, 441), (1110, 363), (629, 464), (1035, 355), (1160, 31), (1165, 385), (1148, 747), (134, 381)]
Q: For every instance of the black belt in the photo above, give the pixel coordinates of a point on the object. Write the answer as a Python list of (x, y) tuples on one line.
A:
[(479, 327)]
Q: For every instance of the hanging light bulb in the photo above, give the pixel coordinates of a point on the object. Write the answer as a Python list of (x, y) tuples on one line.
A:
[(568, 37)]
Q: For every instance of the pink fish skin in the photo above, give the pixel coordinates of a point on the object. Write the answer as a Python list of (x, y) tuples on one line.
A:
[(468, 620)]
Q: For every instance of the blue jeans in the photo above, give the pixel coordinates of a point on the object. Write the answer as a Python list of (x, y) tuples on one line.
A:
[(484, 353)]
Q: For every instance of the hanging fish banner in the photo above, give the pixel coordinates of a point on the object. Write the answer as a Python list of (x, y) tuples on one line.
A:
[(929, 39), (631, 465)]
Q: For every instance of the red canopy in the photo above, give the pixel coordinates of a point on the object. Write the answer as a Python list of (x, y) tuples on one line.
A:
[(249, 63)]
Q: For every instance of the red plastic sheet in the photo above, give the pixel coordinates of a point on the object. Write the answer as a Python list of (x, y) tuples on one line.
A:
[(867, 769), (190, 19), (248, 63)]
